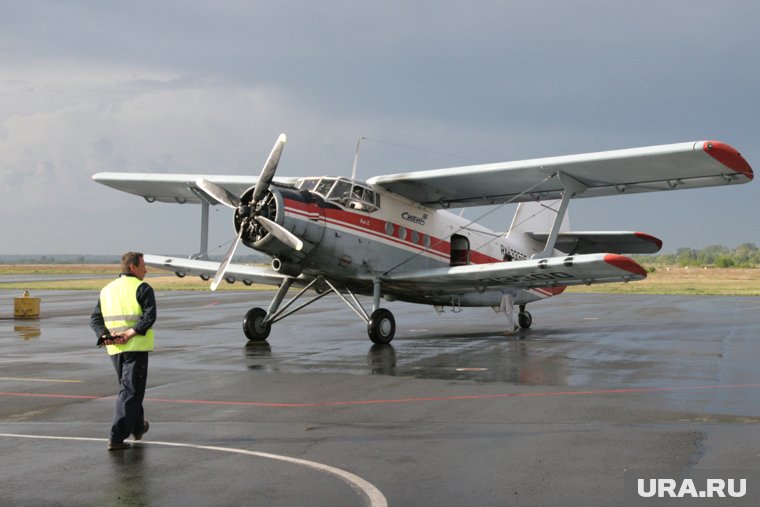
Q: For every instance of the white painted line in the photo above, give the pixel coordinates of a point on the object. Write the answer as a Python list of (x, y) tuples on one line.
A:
[(38, 379), (373, 495)]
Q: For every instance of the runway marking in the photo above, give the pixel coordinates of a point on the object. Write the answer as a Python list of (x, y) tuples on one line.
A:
[(372, 494), (44, 395), (40, 379), (266, 404)]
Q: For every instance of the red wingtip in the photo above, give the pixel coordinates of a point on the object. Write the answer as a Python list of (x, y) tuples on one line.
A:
[(625, 263), (729, 157), (650, 238)]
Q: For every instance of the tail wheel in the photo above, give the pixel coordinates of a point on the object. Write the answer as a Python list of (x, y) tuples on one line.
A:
[(382, 326), (254, 325), (524, 320)]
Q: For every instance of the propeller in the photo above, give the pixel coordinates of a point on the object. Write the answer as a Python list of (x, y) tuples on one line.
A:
[(226, 262), (267, 173), (280, 233), (220, 194), (223, 196)]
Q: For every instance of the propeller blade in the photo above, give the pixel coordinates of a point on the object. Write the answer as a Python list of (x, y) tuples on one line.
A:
[(219, 276), (219, 194), (281, 233), (267, 173)]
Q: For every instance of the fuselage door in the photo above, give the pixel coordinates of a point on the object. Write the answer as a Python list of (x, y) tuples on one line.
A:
[(460, 250)]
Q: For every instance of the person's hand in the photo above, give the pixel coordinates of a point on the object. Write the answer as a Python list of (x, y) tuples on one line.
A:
[(121, 338)]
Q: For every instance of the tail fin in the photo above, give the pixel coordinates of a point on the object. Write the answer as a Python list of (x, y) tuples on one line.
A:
[(535, 217)]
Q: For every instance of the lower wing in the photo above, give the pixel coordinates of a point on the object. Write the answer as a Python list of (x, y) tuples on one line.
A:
[(243, 272), (529, 274)]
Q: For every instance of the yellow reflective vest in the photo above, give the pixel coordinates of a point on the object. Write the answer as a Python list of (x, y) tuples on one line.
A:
[(121, 311)]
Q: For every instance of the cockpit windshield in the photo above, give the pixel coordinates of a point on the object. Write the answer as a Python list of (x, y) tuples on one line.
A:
[(342, 191)]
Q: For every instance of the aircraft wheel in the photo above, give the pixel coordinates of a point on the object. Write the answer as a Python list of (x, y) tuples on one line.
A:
[(524, 320), (382, 326), (180, 274), (205, 278), (254, 326)]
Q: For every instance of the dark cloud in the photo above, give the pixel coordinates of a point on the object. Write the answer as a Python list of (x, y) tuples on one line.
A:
[(206, 87)]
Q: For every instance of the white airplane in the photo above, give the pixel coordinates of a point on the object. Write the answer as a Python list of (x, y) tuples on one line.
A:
[(391, 237)]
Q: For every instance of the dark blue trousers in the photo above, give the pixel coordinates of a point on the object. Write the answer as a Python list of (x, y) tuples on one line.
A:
[(128, 415)]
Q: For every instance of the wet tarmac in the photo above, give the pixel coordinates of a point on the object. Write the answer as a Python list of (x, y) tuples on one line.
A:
[(601, 390)]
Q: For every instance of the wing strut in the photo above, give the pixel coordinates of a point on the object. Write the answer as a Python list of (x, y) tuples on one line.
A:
[(203, 252), (572, 187)]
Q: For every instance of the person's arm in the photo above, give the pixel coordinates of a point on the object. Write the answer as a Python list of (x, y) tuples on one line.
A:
[(147, 300), (97, 323)]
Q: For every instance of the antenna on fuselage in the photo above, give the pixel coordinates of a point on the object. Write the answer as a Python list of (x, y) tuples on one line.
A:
[(356, 157)]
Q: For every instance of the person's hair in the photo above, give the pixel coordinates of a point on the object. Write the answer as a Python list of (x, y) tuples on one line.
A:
[(130, 259)]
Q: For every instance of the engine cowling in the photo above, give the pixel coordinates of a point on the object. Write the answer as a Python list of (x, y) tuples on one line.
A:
[(299, 212)]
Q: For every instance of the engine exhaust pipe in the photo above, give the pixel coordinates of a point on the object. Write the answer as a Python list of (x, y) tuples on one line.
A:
[(286, 268)]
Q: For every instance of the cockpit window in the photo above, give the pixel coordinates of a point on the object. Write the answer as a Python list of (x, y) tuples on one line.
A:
[(362, 198), (342, 191), (307, 183), (324, 186)]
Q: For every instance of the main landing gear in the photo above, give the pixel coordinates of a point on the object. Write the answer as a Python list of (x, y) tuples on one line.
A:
[(381, 326), (524, 318)]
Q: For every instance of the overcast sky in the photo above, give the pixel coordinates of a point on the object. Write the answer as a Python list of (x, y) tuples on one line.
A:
[(206, 87)]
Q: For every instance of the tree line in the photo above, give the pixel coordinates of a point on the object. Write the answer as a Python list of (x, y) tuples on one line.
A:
[(746, 255)]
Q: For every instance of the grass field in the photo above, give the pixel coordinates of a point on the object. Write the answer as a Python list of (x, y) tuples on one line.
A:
[(672, 280), (697, 281), (101, 275)]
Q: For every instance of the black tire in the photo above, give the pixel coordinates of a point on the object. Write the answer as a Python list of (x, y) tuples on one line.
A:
[(254, 326), (382, 326), (524, 320)]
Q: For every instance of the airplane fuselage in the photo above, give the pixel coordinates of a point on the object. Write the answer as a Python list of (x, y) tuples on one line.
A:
[(356, 242)]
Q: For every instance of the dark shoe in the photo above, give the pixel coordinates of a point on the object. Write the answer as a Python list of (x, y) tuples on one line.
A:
[(138, 434), (118, 446)]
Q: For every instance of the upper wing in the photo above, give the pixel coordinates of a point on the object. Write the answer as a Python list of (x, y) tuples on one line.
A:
[(572, 242), (242, 272), (667, 167), (176, 188), (529, 274)]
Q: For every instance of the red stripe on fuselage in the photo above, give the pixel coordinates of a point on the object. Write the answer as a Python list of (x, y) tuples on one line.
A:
[(375, 229)]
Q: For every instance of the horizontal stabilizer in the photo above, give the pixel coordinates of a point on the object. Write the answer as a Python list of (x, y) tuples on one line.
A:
[(241, 272), (618, 242), (528, 274)]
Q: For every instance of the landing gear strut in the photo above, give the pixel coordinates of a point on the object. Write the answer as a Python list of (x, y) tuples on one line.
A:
[(381, 326)]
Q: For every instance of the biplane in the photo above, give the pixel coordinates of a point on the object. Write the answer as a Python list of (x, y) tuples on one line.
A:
[(396, 237)]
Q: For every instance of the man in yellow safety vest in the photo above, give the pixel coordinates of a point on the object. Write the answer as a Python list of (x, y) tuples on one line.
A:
[(123, 321)]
